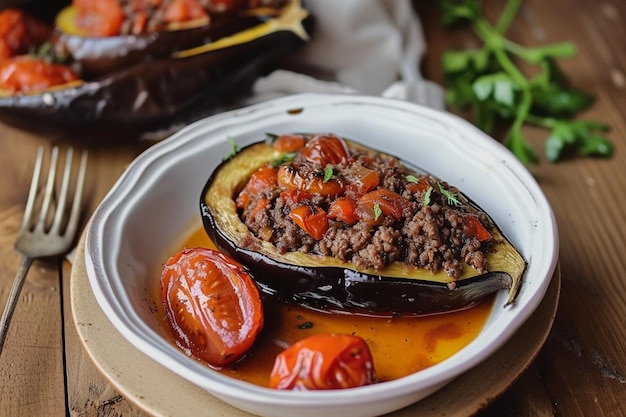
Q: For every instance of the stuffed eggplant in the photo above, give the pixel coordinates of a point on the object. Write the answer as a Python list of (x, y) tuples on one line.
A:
[(141, 31), (332, 225), (152, 90)]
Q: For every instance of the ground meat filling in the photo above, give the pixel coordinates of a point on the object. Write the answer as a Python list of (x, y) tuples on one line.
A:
[(426, 226)]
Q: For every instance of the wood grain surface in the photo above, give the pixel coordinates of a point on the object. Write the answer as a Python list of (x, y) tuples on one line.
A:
[(581, 370)]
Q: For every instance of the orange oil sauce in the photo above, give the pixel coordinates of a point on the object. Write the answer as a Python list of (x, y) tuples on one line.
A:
[(400, 346)]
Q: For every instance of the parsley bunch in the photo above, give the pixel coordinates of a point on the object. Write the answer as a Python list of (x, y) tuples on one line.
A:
[(490, 82)]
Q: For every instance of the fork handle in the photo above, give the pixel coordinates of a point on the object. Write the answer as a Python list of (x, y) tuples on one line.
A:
[(16, 288)]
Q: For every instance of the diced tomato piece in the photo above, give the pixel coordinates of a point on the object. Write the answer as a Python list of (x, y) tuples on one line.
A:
[(420, 186), (289, 143), (474, 228), (290, 177), (314, 221), (324, 361), (360, 180), (343, 209), (373, 205), (262, 179)]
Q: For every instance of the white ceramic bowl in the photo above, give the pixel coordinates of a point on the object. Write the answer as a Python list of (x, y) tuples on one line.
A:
[(157, 198)]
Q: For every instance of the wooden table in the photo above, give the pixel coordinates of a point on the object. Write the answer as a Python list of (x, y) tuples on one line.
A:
[(581, 370)]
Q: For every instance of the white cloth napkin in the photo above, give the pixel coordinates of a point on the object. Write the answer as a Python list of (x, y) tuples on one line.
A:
[(358, 46)]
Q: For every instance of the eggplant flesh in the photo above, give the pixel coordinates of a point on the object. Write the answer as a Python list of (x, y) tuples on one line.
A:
[(329, 284), (153, 95)]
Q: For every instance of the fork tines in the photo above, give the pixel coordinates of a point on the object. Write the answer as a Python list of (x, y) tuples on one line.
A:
[(50, 196)]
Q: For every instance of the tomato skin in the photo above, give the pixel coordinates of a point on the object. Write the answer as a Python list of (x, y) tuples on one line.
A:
[(324, 361), (326, 150), (314, 221), (390, 204), (360, 181), (212, 304), (24, 74)]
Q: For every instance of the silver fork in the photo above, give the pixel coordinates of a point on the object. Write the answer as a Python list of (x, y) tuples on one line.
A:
[(37, 239)]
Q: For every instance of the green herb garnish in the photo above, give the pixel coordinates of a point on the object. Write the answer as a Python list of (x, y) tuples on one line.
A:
[(412, 178), (490, 82), (426, 200), (377, 211), (272, 136), (287, 157), (305, 325), (234, 149), (328, 174), (449, 195)]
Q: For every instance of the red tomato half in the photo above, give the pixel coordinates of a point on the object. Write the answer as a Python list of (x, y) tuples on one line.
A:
[(324, 361), (213, 306)]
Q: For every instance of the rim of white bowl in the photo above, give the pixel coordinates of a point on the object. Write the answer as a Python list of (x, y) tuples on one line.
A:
[(135, 331)]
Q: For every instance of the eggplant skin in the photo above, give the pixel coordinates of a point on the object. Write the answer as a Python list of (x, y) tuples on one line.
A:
[(327, 284), (154, 94)]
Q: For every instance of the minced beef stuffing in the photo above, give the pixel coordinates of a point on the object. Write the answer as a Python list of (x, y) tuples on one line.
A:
[(425, 226)]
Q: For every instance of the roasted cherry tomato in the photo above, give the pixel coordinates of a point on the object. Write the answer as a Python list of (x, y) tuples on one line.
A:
[(324, 361), (314, 220), (343, 210), (304, 177), (99, 17), (373, 205), (326, 150), (212, 304), (289, 143), (24, 74), (20, 32), (474, 228)]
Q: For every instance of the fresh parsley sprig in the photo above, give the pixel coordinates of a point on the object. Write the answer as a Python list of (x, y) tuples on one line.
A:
[(234, 149), (490, 82)]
